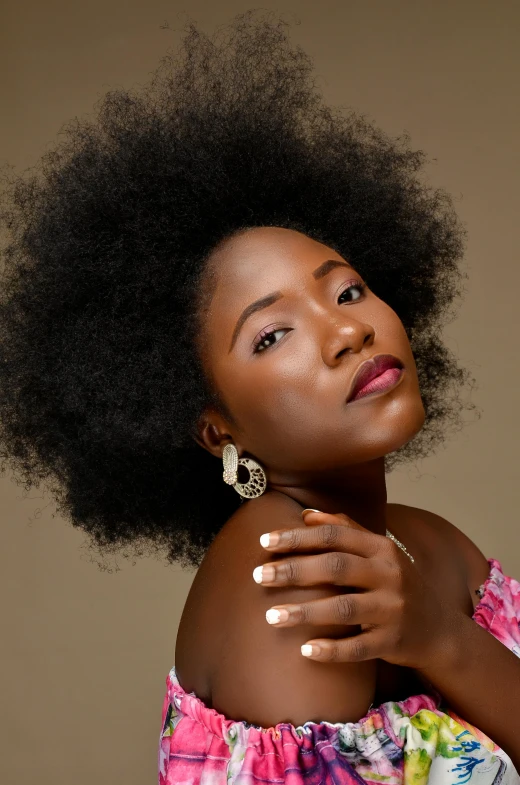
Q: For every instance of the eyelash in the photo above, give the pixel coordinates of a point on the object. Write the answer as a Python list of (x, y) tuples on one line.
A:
[(266, 333)]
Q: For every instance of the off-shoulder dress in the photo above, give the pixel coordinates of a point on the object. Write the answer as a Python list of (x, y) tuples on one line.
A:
[(411, 742)]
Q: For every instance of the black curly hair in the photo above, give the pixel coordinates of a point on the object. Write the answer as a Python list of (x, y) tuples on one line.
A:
[(101, 383)]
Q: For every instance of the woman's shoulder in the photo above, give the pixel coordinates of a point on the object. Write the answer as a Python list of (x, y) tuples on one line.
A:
[(272, 509), (249, 669), (220, 602)]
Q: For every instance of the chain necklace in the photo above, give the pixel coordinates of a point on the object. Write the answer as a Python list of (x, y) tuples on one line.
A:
[(400, 544)]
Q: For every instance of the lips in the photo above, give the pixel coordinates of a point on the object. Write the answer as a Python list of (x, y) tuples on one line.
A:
[(370, 369)]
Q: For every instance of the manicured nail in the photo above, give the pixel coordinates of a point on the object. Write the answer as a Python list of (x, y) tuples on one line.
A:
[(308, 509), (263, 574), (275, 616), (307, 650), (272, 538)]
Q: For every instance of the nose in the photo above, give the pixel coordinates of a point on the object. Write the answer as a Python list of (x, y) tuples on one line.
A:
[(342, 336)]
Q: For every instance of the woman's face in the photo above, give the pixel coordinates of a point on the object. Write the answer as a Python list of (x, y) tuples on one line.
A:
[(286, 330)]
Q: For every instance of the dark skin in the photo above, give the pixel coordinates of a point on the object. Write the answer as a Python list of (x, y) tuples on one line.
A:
[(320, 452), (315, 448)]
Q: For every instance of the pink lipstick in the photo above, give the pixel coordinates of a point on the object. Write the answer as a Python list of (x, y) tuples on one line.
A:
[(375, 375)]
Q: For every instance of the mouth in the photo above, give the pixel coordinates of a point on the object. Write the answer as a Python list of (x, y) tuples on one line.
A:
[(377, 374)]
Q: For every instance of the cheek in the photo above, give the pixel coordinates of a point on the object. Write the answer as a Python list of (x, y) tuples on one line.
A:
[(290, 413), (270, 390), (389, 328), (385, 321)]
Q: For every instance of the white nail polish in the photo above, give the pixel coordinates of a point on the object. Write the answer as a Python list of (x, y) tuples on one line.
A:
[(264, 540), (272, 616), (257, 574)]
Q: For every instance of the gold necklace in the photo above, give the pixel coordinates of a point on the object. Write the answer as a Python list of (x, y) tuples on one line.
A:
[(400, 544)]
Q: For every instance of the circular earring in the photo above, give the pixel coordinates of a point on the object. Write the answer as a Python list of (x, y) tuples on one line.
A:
[(257, 482)]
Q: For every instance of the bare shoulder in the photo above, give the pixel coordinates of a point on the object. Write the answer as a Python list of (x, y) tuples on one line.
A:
[(260, 675), (472, 559)]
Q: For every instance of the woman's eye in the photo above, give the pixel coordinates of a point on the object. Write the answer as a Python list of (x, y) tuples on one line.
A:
[(268, 339), (359, 285)]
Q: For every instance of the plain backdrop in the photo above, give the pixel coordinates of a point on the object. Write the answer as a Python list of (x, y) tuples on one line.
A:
[(85, 652)]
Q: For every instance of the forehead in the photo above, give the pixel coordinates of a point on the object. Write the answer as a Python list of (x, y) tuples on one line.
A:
[(264, 259)]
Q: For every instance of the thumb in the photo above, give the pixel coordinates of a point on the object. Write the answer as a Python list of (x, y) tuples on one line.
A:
[(345, 520), (315, 518)]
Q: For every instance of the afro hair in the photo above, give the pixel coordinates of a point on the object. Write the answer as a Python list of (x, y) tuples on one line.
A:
[(101, 383)]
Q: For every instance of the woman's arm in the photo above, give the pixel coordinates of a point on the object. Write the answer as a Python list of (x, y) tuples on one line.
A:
[(479, 678), (478, 675), (262, 677)]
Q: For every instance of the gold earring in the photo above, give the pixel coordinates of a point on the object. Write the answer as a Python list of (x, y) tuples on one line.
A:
[(257, 482)]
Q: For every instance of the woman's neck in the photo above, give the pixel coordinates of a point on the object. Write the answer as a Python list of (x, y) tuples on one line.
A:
[(359, 492)]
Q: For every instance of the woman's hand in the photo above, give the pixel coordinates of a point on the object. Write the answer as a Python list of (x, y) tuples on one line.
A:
[(404, 620)]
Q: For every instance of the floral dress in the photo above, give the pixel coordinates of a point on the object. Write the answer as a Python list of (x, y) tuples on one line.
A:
[(412, 742)]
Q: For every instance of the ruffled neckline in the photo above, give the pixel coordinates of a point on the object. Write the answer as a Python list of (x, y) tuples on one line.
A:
[(496, 576)]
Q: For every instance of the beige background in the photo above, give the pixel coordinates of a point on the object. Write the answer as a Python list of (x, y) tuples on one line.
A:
[(84, 652)]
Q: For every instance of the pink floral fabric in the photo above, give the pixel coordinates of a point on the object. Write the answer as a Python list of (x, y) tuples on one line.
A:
[(410, 742)]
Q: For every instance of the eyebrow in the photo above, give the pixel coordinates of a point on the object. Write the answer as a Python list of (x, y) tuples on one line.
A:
[(329, 265), (265, 302)]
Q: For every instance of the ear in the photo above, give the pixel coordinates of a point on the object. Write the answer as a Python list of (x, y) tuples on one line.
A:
[(213, 432)]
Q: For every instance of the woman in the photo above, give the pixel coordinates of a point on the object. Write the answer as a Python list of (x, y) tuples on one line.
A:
[(223, 291)]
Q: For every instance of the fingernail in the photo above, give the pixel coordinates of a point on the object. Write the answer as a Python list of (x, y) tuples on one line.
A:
[(274, 616), (308, 509), (308, 650), (271, 538), (263, 574)]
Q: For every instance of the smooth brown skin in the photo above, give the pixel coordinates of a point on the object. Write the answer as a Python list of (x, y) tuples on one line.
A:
[(290, 412)]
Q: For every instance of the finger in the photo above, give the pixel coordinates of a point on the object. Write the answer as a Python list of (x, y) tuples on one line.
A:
[(315, 517), (342, 609), (365, 646), (329, 536), (334, 567)]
